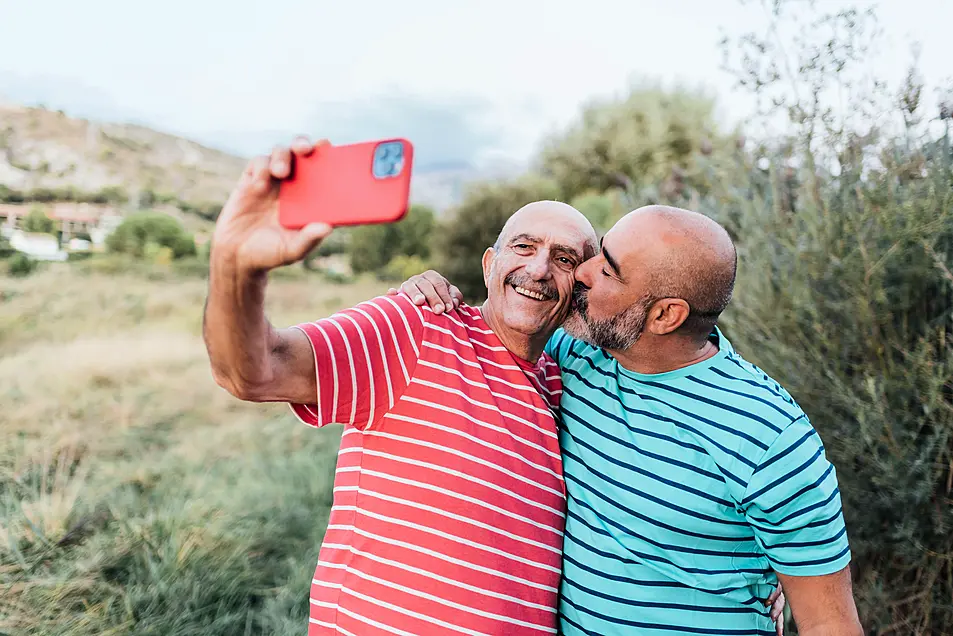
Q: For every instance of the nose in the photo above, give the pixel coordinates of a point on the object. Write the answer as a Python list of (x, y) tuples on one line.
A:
[(538, 266), (584, 272)]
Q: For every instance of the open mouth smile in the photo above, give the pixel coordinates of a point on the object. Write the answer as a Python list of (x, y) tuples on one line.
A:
[(522, 291)]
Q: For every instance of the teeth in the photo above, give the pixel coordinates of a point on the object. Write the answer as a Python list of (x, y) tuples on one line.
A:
[(531, 294)]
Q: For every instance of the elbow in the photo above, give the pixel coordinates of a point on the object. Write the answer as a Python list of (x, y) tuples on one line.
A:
[(240, 388)]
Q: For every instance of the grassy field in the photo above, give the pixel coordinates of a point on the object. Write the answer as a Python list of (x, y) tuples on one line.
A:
[(136, 497)]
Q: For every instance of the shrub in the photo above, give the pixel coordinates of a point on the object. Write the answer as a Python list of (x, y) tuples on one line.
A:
[(372, 247), (139, 230), (37, 221), (21, 265), (403, 267)]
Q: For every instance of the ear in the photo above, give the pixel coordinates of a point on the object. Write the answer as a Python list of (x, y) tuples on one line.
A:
[(487, 264), (666, 316)]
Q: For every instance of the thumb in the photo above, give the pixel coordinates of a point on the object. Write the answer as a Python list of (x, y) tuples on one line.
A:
[(308, 238)]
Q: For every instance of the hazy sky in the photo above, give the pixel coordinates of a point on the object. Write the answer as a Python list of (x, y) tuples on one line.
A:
[(469, 80)]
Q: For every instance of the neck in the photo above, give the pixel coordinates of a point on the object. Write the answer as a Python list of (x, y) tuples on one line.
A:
[(661, 354), (528, 348)]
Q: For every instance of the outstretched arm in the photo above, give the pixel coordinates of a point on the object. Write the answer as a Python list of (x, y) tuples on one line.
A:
[(249, 357), (433, 289)]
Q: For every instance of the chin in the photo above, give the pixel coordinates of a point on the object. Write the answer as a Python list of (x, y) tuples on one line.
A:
[(575, 326)]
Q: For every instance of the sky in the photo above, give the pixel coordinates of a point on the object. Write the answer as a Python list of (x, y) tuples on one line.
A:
[(470, 82)]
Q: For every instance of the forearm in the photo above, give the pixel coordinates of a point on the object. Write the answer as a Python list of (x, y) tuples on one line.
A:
[(844, 628), (239, 339)]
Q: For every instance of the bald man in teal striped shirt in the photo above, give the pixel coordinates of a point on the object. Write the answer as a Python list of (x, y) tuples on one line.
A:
[(694, 480)]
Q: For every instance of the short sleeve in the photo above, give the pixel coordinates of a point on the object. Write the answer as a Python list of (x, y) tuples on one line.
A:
[(794, 506), (364, 358), (558, 346)]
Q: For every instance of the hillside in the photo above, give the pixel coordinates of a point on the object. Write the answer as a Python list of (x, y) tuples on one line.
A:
[(49, 151), (48, 155)]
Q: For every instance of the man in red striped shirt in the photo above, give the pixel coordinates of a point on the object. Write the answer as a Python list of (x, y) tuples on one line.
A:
[(449, 501)]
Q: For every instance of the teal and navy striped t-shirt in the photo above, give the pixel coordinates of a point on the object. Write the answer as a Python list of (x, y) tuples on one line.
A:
[(687, 491)]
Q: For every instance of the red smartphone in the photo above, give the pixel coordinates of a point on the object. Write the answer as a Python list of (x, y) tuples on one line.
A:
[(353, 184)]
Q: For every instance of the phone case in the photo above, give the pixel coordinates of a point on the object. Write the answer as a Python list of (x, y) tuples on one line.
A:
[(353, 184)]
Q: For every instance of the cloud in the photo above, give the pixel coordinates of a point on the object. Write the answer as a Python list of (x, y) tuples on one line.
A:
[(446, 132), (74, 98)]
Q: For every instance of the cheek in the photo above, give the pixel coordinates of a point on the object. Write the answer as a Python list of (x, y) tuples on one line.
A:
[(602, 300)]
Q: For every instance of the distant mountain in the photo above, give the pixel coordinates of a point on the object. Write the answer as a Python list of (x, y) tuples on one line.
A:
[(46, 150)]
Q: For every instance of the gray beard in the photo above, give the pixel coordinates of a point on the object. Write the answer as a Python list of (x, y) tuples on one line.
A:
[(617, 333)]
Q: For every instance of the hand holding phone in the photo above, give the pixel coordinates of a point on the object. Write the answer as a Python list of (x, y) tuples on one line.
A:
[(353, 184), (248, 235)]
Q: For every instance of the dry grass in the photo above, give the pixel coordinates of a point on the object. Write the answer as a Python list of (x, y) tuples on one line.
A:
[(135, 495)]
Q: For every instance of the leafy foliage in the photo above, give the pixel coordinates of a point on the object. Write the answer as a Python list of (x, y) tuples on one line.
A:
[(21, 265), (37, 221), (141, 235), (647, 144), (372, 247)]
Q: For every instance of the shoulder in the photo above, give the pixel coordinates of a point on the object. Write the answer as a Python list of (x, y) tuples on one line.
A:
[(566, 350), (735, 377)]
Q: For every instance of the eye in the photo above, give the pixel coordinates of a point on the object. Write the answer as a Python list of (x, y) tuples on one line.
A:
[(568, 262), (605, 273)]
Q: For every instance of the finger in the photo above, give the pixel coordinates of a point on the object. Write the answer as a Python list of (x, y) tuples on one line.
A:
[(441, 286), (302, 145), (457, 295), (779, 603), (280, 162), (307, 239), (392, 292), (259, 176), (777, 607), (409, 287), (432, 295), (779, 626)]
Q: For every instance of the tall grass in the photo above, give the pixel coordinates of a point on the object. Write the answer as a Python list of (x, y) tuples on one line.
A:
[(136, 497)]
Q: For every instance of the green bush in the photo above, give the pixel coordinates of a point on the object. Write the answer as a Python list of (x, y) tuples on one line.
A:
[(372, 247), (36, 220), (6, 249), (403, 267), (21, 265), (137, 232)]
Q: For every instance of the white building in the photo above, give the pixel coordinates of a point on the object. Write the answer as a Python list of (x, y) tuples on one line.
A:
[(42, 247)]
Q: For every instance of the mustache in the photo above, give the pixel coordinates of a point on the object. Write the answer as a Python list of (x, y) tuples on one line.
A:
[(548, 290)]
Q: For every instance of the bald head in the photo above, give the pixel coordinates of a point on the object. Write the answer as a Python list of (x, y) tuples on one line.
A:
[(687, 255), (540, 214)]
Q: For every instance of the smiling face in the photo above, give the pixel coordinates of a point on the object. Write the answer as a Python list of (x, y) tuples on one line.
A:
[(529, 272)]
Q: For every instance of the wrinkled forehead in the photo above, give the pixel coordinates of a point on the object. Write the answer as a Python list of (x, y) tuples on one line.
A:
[(552, 226)]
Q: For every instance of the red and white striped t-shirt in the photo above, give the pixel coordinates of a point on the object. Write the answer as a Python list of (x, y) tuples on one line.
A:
[(449, 500)]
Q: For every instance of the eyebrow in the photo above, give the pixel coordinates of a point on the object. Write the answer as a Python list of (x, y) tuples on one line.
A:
[(535, 239), (525, 237), (569, 250), (609, 259)]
